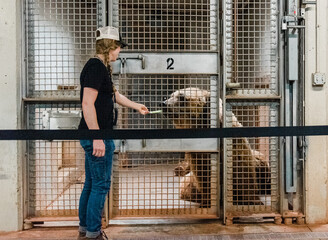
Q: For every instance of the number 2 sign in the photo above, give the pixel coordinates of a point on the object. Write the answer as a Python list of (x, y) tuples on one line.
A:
[(170, 62)]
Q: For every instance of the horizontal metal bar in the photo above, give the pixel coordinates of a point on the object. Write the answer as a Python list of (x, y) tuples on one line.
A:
[(252, 97), (291, 26), (50, 99), (171, 145), (163, 133), (168, 63), (309, 2)]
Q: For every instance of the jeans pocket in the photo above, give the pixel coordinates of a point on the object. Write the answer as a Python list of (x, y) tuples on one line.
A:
[(97, 167)]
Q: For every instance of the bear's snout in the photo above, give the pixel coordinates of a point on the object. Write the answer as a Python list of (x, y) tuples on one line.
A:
[(164, 103)]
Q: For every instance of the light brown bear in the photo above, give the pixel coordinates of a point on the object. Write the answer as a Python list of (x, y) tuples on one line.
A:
[(189, 108)]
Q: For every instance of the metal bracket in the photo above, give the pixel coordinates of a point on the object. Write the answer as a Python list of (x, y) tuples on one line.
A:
[(139, 57), (302, 13), (233, 85), (122, 146), (319, 79)]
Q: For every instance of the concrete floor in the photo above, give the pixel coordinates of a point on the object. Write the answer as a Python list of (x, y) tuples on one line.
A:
[(210, 229)]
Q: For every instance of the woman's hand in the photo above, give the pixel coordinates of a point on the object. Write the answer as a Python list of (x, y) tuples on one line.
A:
[(142, 109), (124, 101), (98, 148)]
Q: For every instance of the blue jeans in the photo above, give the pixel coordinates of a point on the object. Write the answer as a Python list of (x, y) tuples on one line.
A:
[(98, 171)]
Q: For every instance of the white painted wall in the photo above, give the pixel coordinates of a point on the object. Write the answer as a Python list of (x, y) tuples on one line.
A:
[(316, 112), (325, 26), (10, 162)]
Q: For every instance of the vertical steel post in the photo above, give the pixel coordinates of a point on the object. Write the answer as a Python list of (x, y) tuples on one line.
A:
[(291, 96)]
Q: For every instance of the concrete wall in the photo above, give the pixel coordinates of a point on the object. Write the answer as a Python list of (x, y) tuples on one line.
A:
[(316, 112), (10, 162)]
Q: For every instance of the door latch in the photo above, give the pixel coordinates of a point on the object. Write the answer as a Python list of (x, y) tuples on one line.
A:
[(290, 22)]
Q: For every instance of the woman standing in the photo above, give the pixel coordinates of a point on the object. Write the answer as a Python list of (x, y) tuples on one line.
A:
[(97, 96)]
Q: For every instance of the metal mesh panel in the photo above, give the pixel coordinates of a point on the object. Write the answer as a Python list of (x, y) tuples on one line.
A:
[(155, 184), (189, 25), (60, 39), (55, 169), (150, 184), (251, 45), (153, 90), (252, 163)]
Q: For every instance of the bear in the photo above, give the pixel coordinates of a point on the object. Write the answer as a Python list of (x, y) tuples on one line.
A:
[(189, 108)]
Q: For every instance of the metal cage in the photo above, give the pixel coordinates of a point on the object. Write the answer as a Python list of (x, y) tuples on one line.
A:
[(60, 39), (252, 163)]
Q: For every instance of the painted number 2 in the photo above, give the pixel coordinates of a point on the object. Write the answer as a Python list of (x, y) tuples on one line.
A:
[(170, 62)]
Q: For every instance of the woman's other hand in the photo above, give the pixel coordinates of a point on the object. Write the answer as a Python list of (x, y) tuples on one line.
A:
[(98, 148)]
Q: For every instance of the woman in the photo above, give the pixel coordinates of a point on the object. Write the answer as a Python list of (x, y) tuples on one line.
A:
[(97, 96)]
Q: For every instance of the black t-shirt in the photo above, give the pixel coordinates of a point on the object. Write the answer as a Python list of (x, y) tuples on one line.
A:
[(95, 75)]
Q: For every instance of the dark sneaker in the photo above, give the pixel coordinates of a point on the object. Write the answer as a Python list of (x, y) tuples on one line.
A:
[(101, 236), (82, 236)]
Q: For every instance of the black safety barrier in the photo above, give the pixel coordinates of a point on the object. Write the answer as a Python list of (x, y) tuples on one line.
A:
[(163, 133)]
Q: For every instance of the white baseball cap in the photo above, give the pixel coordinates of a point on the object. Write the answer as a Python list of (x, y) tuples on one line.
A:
[(109, 32)]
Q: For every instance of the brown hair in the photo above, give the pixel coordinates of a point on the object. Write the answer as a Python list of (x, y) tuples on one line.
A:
[(103, 46)]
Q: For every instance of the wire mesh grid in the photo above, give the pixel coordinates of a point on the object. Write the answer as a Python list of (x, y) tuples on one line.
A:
[(60, 39), (165, 184), (251, 46), (195, 106), (252, 163), (188, 25), (55, 169)]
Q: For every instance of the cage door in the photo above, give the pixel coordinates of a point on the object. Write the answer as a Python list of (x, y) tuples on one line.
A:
[(171, 66)]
